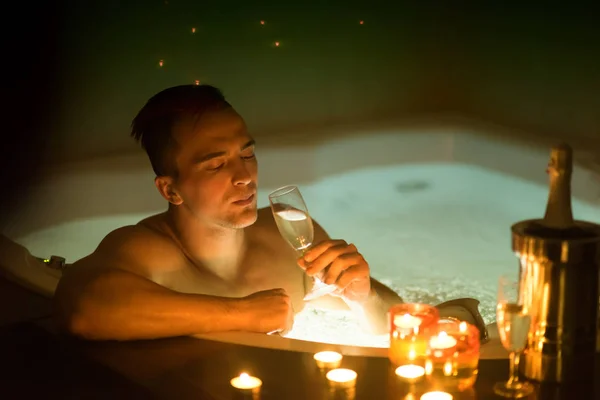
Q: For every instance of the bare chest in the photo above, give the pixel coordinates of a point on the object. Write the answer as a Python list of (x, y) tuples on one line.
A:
[(261, 269)]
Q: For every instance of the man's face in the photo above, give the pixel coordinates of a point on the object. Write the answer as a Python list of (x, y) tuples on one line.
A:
[(217, 169)]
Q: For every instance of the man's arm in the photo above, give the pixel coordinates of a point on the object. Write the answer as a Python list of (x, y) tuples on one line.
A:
[(106, 296), (372, 312)]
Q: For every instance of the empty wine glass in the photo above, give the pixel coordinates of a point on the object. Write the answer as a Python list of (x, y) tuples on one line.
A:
[(296, 227), (513, 320)]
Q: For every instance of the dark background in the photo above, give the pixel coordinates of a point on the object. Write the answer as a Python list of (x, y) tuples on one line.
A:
[(78, 71)]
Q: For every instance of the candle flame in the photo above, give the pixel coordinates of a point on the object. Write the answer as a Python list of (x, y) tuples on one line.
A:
[(244, 376), (463, 326)]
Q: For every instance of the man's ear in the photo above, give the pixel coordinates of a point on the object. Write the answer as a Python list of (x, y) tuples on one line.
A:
[(165, 186)]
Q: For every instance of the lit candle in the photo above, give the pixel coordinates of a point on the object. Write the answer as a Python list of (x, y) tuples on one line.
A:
[(246, 383), (462, 327), (436, 396), (407, 321), (341, 378), (328, 359), (442, 341), (410, 372)]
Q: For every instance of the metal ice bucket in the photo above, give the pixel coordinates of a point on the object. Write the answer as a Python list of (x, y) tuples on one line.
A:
[(559, 281)]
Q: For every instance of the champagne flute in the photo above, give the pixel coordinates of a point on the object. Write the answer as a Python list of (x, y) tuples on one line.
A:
[(513, 319), (296, 227)]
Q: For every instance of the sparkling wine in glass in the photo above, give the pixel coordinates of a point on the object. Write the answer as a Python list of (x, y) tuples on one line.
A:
[(296, 227), (513, 320)]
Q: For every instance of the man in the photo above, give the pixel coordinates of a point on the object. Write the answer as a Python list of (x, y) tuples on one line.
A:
[(212, 262)]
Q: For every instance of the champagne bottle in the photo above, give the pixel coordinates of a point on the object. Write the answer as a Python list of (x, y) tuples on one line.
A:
[(558, 221), (559, 214)]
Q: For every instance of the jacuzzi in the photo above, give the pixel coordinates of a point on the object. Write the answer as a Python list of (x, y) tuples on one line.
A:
[(429, 206)]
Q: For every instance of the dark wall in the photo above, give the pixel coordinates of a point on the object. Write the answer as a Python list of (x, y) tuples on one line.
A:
[(82, 70), (531, 67)]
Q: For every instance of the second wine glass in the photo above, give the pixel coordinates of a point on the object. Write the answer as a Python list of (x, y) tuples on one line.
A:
[(296, 227), (513, 320)]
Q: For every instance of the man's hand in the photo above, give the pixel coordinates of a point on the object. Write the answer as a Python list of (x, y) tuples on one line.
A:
[(268, 311), (338, 263)]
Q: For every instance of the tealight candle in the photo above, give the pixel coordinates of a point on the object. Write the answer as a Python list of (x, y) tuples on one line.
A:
[(411, 327), (328, 359), (453, 356), (442, 341), (341, 378), (246, 383), (410, 372), (407, 321), (436, 396)]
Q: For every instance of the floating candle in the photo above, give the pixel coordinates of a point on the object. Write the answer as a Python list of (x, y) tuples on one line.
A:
[(342, 377), (328, 359), (442, 341), (407, 321), (246, 382), (410, 372), (436, 396)]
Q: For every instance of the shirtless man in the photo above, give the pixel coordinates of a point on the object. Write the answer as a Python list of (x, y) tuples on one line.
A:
[(212, 262)]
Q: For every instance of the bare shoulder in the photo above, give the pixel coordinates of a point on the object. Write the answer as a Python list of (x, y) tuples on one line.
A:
[(142, 249)]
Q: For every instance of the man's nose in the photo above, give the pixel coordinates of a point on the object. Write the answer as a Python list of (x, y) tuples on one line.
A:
[(242, 175)]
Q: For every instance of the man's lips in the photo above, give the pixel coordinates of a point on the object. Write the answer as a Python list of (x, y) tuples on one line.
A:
[(245, 200)]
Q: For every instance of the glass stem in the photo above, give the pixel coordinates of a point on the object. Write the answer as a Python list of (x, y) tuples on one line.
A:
[(514, 368)]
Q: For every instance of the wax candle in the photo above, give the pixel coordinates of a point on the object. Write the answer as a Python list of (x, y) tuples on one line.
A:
[(407, 321), (436, 396), (342, 378), (246, 383), (410, 372), (442, 341), (328, 359), (453, 356), (410, 329)]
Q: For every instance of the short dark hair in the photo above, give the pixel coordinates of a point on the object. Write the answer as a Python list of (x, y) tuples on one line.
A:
[(153, 125)]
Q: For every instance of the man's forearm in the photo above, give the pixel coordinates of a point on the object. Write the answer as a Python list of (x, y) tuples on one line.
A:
[(372, 312), (119, 305)]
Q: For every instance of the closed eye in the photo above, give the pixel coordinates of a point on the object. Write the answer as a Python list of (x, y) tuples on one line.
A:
[(216, 168)]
